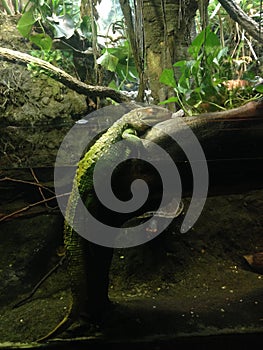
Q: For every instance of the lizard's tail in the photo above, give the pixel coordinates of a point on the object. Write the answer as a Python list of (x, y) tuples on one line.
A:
[(62, 325), (77, 276)]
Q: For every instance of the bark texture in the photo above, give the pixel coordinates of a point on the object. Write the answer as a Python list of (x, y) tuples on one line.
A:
[(167, 28)]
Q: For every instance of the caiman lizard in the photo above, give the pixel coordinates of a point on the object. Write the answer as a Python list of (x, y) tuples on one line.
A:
[(130, 127)]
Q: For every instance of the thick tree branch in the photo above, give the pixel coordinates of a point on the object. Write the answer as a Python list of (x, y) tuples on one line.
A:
[(63, 77), (239, 16)]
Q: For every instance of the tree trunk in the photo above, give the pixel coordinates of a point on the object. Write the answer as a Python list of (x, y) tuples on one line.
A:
[(167, 27)]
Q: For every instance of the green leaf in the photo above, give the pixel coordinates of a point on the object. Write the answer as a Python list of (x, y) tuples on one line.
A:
[(108, 61), (222, 53), (167, 78), (180, 63), (43, 41), (196, 45), (126, 73), (113, 85), (182, 89), (259, 88), (122, 52), (184, 83), (26, 22), (211, 39), (172, 99), (86, 27)]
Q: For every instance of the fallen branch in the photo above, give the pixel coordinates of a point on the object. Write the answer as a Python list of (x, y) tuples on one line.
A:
[(63, 77)]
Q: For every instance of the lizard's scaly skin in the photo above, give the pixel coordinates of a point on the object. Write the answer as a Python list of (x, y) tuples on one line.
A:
[(139, 120)]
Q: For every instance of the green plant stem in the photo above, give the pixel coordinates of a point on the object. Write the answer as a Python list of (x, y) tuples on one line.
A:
[(217, 106), (16, 6), (187, 111), (25, 7), (7, 8)]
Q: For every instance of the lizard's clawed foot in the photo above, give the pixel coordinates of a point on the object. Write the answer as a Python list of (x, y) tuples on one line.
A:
[(88, 323), (81, 328)]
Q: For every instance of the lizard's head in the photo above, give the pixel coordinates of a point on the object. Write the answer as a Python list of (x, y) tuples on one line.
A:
[(149, 116)]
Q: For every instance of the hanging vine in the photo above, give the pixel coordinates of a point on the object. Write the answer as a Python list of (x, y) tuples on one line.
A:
[(134, 32), (140, 41)]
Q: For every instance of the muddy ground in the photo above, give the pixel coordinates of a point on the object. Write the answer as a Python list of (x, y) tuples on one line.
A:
[(178, 287)]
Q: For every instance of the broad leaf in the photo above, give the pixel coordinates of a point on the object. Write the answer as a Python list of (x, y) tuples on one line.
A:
[(180, 63), (43, 41), (167, 78), (211, 39), (223, 52), (26, 22), (113, 85), (196, 45), (86, 27), (108, 61), (172, 99), (259, 88)]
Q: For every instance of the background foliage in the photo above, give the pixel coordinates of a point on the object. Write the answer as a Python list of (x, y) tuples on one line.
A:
[(220, 71)]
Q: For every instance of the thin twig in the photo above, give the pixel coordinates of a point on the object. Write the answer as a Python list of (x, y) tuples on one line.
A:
[(6, 178), (23, 301), (39, 188), (31, 206)]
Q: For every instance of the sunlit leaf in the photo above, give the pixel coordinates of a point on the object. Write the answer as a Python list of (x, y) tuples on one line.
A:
[(172, 99), (180, 63), (86, 27), (108, 61), (167, 78), (122, 52), (26, 22), (259, 88), (223, 52), (196, 44), (113, 85), (211, 39), (43, 41)]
